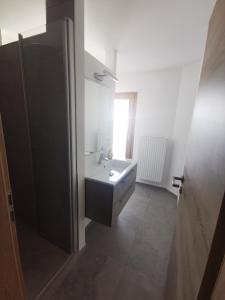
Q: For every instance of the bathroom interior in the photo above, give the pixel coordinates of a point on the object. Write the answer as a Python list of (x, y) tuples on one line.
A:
[(95, 129)]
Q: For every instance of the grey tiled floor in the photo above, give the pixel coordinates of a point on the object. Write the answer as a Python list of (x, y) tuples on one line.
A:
[(40, 259), (128, 261)]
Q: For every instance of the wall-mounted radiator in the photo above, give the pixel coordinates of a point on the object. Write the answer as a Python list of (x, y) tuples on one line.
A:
[(151, 158)]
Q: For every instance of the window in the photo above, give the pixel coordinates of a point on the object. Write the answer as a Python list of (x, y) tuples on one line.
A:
[(123, 126)]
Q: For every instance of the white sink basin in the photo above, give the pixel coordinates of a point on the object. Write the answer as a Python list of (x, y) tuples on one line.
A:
[(110, 171)]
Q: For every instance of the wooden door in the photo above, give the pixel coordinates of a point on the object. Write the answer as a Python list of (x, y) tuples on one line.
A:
[(198, 247), (219, 289), (11, 279)]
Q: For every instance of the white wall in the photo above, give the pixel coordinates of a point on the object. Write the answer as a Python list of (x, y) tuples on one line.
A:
[(98, 119), (20, 17), (92, 106), (96, 42), (156, 105), (164, 108), (186, 98), (99, 97)]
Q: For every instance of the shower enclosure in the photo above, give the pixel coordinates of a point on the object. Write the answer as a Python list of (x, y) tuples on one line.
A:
[(37, 106)]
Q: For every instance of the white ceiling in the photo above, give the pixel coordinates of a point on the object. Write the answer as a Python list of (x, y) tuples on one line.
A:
[(18, 16), (149, 34)]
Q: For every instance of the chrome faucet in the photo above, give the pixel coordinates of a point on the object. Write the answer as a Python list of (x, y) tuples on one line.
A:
[(101, 158)]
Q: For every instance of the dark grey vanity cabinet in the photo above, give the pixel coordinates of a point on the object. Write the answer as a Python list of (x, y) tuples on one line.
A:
[(104, 201)]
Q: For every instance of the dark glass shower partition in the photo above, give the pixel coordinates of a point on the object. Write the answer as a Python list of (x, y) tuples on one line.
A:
[(46, 77), (38, 112)]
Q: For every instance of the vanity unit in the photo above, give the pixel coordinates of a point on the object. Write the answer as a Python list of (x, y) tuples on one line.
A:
[(108, 187)]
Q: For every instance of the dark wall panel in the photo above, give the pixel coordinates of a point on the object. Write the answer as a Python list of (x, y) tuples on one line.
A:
[(35, 112), (59, 9), (44, 69), (16, 130)]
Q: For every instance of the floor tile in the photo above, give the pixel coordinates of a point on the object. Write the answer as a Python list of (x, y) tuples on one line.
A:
[(128, 261)]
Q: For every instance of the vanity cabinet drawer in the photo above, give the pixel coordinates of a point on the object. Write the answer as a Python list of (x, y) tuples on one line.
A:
[(119, 205), (124, 185), (98, 202)]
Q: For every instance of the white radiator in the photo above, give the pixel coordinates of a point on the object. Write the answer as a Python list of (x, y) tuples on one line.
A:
[(151, 158)]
